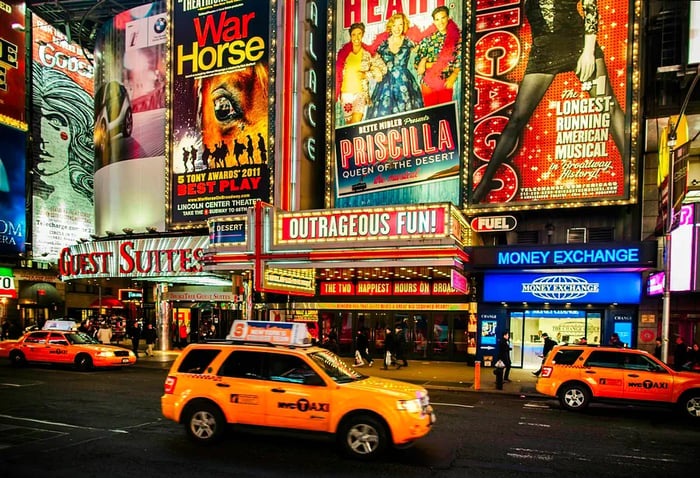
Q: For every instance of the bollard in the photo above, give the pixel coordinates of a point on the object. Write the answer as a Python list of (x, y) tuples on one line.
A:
[(477, 375)]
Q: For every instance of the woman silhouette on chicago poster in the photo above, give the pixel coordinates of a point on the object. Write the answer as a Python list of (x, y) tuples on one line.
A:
[(562, 41)]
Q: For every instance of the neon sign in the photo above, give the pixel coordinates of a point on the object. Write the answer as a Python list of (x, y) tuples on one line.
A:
[(601, 288), (637, 254), (595, 256)]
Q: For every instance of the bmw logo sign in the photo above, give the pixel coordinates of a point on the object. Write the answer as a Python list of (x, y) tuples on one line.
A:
[(159, 25)]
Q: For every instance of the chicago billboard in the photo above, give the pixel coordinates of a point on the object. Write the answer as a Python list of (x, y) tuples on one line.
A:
[(552, 106)]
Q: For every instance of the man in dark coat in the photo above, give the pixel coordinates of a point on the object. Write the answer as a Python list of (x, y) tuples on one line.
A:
[(135, 335), (548, 345), (680, 354), (400, 345), (504, 349)]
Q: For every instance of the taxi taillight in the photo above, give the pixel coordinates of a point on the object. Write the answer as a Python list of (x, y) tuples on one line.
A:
[(546, 372), (170, 383)]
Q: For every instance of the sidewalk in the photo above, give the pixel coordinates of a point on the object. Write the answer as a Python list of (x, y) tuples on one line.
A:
[(433, 375)]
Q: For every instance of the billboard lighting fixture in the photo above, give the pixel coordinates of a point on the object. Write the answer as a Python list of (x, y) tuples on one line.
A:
[(128, 230), (110, 233), (151, 229), (94, 237)]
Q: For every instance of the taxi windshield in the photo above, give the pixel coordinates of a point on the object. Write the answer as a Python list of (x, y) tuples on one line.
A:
[(80, 338), (334, 367)]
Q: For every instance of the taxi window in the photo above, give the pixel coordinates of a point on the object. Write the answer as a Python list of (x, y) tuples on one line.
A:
[(567, 357), (640, 362), (36, 338), (244, 364), (198, 360), (57, 339), (288, 368), (606, 359)]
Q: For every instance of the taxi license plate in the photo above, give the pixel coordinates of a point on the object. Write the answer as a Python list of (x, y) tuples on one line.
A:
[(125, 360)]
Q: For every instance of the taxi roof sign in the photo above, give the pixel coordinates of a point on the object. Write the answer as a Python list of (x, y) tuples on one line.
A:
[(60, 324), (278, 333)]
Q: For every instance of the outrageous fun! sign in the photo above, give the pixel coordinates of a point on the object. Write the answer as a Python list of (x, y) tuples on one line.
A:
[(397, 90), (219, 160), (328, 226), (550, 112)]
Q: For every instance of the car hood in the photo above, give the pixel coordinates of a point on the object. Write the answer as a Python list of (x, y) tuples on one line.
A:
[(101, 347), (394, 388)]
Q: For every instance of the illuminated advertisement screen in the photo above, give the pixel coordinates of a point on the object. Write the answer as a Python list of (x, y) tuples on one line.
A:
[(550, 107), (130, 70), (220, 161), (398, 87), (12, 65), (62, 172), (12, 190)]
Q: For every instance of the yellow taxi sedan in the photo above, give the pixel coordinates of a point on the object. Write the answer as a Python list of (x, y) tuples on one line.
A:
[(65, 347)]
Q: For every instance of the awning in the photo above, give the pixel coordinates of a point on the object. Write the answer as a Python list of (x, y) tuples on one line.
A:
[(40, 293), (107, 302)]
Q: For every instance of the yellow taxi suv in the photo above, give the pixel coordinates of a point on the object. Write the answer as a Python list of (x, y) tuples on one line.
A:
[(579, 375), (266, 376), (56, 345)]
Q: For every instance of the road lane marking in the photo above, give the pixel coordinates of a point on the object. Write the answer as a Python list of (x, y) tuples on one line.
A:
[(452, 405), (59, 424), (10, 384), (530, 424), (535, 405), (648, 458)]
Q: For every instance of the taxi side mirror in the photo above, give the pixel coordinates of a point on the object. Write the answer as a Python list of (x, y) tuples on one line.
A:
[(314, 380)]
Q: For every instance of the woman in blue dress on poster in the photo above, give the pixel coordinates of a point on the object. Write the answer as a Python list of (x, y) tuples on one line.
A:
[(398, 90)]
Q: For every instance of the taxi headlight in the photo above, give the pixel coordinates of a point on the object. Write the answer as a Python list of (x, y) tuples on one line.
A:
[(411, 406), (105, 353)]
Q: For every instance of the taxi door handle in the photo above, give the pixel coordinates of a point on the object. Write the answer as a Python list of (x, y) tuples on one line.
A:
[(633, 375), (223, 385), (590, 371), (278, 390)]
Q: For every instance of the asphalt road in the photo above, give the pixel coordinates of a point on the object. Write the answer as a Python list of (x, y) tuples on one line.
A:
[(58, 422)]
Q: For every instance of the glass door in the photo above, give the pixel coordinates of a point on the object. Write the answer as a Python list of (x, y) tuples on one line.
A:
[(517, 327)]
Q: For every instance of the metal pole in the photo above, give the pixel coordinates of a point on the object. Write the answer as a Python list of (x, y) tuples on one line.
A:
[(666, 311)]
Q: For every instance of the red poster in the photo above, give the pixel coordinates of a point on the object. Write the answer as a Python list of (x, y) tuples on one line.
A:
[(12, 65), (550, 111)]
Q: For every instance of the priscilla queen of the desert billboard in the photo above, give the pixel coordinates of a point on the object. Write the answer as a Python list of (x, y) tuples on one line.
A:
[(397, 89), (553, 102)]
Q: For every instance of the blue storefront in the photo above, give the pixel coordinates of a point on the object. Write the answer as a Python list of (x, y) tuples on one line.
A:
[(568, 291)]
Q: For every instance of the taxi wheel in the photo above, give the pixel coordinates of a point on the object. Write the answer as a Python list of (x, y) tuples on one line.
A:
[(363, 437), (17, 358), (574, 396), (689, 405), (205, 423), (83, 362)]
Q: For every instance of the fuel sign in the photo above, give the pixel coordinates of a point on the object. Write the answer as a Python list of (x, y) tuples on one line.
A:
[(494, 223)]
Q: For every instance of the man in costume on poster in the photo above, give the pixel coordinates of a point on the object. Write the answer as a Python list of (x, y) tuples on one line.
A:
[(438, 58)]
